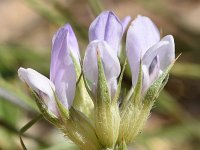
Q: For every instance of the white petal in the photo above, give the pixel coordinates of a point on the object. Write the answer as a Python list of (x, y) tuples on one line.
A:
[(167, 56), (146, 80), (110, 62), (143, 34), (150, 73), (90, 67), (41, 85), (165, 49)]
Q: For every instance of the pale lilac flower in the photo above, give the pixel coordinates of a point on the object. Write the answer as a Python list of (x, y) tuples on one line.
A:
[(109, 28), (62, 71), (143, 43), (41, 85), (110, 63)]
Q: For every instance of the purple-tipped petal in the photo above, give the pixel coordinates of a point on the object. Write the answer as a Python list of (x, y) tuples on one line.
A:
[(164, 49), (41, 85), (144, 34), (125, 22), (110, 62), (107, 27), (62, 71), (71, 47)]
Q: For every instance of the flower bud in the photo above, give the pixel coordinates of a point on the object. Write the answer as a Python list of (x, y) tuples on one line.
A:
[(109, 28), (150, 60)]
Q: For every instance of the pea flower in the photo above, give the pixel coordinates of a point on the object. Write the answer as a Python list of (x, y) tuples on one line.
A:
[(109, 28), (58, 93), (62, 72), (87, 107), (150, 59), (143, 43)]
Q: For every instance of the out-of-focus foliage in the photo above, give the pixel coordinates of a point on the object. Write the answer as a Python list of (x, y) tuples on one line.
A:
[(174, 122)]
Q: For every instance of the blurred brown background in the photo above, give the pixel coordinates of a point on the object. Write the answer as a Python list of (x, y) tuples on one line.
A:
[(26, 29)]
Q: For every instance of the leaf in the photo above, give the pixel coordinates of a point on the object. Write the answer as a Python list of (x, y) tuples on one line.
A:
[(188, 70), (46, 10), (15, 96), (63, 146), (96, 6)]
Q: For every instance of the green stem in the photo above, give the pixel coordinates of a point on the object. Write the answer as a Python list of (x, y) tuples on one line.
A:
[(26, 127)]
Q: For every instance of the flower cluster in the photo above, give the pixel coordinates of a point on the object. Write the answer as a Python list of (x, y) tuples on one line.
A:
[(82, 99)]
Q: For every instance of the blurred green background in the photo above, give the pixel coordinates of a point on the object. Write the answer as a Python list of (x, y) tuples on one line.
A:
[(26, 29)]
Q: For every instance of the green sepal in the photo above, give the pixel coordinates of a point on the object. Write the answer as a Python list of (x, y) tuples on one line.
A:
[(134, 116), (163, 84), (115, 100), (130, 110), (103, 93), (134, 94), (129, 117), (88, 89), (153, 91), (82, 100), (107, 117), (136, 97), (63, 111), (48, 115), (148, 102), (122, 145), (126, 99), (80, 130)]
